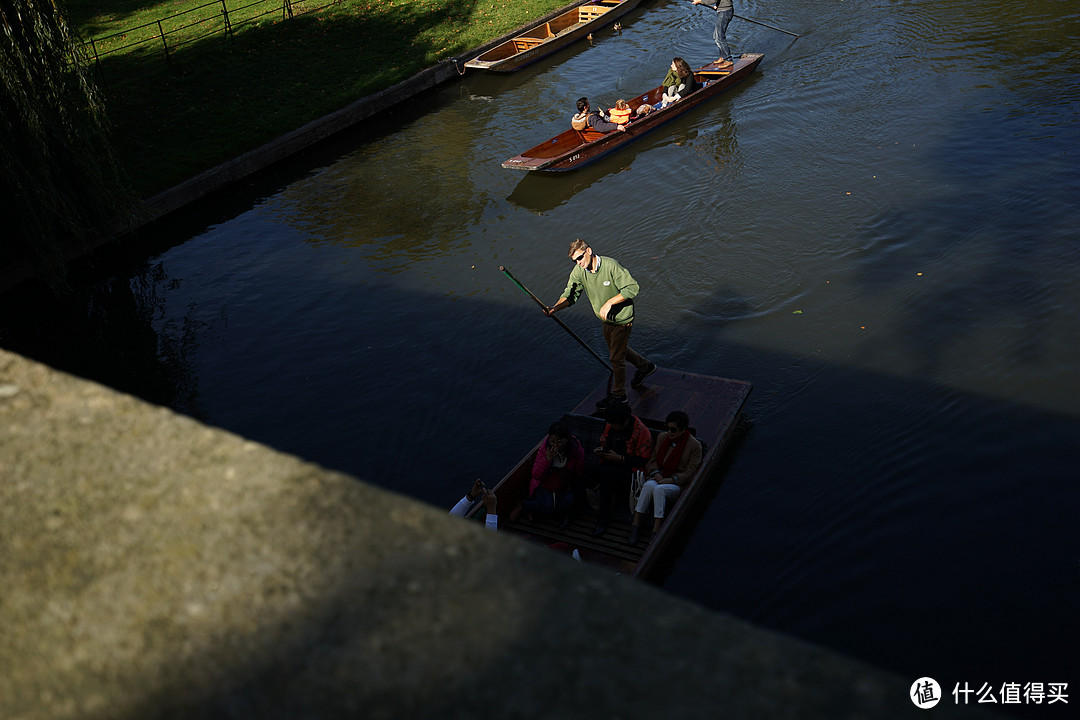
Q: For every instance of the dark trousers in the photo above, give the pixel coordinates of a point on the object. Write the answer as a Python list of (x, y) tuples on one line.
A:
[(617, 338), (545, 503), (614, 480)]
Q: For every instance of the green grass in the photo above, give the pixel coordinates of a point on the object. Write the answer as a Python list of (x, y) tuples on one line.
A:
[(217, 98)]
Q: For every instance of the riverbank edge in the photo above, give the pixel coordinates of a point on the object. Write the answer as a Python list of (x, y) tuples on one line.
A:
[(220, 177), (264, 156), (155, 567)]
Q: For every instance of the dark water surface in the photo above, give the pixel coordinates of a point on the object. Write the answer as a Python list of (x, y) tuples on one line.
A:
[(878, 229)]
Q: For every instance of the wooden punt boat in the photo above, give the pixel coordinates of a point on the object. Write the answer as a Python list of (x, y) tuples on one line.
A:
[(572, 149), (544, 38), (714, 405)]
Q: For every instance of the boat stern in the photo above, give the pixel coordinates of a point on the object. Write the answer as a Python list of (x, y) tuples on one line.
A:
[(520, 162)]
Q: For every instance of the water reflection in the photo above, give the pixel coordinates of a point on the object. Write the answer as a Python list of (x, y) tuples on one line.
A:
[(543, 192), (396, 200)]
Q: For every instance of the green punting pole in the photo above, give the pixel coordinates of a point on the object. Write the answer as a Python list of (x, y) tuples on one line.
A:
[(563, 325)]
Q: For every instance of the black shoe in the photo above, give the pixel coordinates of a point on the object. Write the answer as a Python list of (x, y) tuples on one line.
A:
[(565, 523), (598, 530), (640, 375), (635, 532), (610, 400)]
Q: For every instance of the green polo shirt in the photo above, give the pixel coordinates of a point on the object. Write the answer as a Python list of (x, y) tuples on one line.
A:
[(609, 280)]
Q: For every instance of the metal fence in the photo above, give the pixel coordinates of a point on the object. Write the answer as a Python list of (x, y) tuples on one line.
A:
[(215, 19)]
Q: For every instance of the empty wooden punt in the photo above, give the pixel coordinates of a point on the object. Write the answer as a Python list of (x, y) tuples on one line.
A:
[(541, 40)]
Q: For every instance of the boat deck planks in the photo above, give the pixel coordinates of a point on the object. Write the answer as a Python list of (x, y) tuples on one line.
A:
[(712, 403)]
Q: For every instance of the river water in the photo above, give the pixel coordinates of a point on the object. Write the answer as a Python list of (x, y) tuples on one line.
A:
[(878, 229)]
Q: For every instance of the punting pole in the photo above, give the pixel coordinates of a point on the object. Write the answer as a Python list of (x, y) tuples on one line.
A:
[(772, 27), (756, 22), (564, 326)]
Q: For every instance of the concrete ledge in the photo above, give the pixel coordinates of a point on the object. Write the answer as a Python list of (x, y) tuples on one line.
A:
[(153, 567)]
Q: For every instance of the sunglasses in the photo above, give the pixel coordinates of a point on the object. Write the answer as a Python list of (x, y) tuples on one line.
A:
[(579, 258)]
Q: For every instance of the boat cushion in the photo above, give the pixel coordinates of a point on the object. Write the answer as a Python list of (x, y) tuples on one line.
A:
[(587, 429)]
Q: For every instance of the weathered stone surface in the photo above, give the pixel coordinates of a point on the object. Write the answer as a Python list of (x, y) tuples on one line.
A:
[(152, 567)]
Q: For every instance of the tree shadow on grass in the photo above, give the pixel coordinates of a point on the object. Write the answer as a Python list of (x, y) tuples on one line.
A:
[(214, 99)]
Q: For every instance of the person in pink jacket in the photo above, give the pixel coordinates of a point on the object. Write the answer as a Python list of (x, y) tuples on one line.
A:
[(556, 473)]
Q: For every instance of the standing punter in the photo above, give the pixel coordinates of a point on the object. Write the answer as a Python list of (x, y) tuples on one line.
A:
[(725, 10), (611, 290)]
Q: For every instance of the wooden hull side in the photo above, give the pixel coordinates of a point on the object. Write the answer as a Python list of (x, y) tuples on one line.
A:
[(714, 406), (543, 158), (547, 37)]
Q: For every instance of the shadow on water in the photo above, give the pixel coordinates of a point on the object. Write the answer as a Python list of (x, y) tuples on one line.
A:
[(1001, 245), (892, 556)]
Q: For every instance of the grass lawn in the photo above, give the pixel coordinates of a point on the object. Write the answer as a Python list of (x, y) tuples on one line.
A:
[(218, 97)]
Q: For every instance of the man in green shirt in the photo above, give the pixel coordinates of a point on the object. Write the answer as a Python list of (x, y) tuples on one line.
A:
[(611, 290)]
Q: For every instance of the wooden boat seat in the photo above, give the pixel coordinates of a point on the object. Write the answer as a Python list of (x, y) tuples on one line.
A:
[(587, 13), (590, 135), (585, 428), (523, 44)]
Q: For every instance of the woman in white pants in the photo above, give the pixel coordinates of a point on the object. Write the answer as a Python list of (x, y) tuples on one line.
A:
[(675, 459)]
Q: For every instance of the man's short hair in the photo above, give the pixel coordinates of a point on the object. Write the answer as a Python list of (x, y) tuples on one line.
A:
[(578, 244), (617, 413), (582, 103)]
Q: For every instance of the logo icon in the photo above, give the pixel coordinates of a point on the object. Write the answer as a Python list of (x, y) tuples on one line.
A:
[(925, 693)]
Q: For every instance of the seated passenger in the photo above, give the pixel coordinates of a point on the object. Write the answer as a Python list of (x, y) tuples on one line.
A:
[(620, 114), (678, 83), (586, 119), (556, 475), (625, 446), (479, 492), (674, 461)]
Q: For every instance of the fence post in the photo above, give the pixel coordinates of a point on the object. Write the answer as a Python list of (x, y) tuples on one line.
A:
[(97, 62), (225, 14), (163, 43)]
